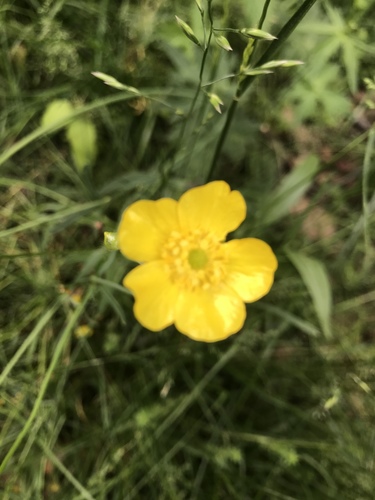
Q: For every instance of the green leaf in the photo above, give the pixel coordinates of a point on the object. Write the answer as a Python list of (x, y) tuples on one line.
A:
[(56, 111), (82, 136), (351, 61), (315, 277), (279, 203)]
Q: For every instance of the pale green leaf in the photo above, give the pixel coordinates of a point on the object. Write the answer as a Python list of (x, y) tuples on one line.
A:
[(351, 61), (279, 203), (57, 110), (315, 277), (82, 138)]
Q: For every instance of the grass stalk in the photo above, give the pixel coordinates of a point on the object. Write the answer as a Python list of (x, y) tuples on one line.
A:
[(244, 84), (44, 386)]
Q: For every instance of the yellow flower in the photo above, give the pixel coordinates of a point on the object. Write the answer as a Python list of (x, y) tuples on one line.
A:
[(189, 275)]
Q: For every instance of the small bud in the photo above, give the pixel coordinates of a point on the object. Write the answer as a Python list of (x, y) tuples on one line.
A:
[(110, 240), (281, 64), (216, 102), (257, 34), (199, 5), (188, 31), (83, 331), (223, 43), (112, 82), (255, 71)]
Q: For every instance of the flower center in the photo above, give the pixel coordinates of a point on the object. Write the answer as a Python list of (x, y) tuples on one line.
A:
[(195, 260)]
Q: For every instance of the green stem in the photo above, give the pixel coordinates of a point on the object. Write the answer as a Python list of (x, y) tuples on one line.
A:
[(207, 41), (365, 188), (223, 135), (243, 85), (261, 20), (264, 14), (203, 63), (282, 36)]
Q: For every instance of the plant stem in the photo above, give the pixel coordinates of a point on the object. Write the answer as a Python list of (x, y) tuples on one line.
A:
[(222, 137), (244, 84), (203, 63), (282, 36)]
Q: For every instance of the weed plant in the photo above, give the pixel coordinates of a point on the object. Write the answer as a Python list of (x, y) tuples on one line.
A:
[(93, 406)]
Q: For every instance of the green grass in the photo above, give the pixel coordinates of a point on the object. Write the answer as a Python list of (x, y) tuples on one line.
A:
[(285, 409)]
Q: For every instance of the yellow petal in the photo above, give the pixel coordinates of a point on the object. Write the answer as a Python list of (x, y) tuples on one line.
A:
[(155, 296), (144, 227), (212, 207), (209, 316), (251, 266)]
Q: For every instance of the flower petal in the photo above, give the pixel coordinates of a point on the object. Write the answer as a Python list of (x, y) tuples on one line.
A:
[(144, 226), (251, 267), (212, 207), (155, 295), (209, 316)]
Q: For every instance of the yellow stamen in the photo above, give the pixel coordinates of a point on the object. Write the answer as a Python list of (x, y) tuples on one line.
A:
[(195, 260)]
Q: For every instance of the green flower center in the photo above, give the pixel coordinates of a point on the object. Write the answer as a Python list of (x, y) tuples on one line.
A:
[(197, 259)]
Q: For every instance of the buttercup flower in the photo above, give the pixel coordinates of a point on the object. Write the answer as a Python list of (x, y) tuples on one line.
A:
[(189, 275)]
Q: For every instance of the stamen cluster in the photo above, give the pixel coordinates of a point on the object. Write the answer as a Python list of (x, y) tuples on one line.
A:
[(195, 260)]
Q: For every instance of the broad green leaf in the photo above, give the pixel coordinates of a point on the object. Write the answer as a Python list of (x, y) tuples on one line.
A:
[(293, 186), (56, 111), (81, 135), (315, 277)]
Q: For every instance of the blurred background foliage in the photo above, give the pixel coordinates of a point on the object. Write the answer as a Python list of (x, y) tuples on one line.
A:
[(91, 405)]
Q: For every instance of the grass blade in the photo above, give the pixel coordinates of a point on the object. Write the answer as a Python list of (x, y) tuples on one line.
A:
[(315, 277), (43, 388), (291, 189)]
